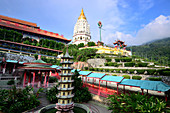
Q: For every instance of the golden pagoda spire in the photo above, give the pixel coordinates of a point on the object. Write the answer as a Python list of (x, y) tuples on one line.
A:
[(82, 16)]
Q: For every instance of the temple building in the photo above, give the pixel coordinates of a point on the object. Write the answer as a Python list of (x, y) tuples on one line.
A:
[(23, 37), (65, 103), (81, 30)]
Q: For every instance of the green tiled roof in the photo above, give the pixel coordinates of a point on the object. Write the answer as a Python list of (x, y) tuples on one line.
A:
[(85, 72), (146, 84), (74, 70), (96, 75), (113, 78)]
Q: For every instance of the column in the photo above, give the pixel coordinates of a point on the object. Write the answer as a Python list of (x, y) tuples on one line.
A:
[(117, 89), (33, 79), (45, 79), (14, 68), (25, 73), (93, 82), (29, 80), (142, 91), (4, 68), (40, 78), (99, 88), (48, 78)]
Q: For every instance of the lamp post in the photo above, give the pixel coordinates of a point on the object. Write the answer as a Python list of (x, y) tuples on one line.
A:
[(100, 26)]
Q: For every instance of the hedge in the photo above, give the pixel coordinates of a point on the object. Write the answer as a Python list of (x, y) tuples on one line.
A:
[(155, 78), (136, 77), (123, 59), (126, 76), (129, 64), (150, 71), (108, 59), (86, 68), (141, 64), (164, 72), (114, 75), (11, 82)]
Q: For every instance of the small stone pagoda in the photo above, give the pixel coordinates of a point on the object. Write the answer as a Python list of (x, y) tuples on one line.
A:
[(65, 104)]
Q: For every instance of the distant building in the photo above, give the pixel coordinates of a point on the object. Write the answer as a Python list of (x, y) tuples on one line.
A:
[(26, 30), (81, 30)]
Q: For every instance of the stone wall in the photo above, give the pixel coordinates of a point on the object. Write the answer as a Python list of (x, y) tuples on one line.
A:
[(97, 62), (21, 58)]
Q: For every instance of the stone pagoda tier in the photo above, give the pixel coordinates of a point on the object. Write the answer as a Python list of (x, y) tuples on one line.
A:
[(65, 104)]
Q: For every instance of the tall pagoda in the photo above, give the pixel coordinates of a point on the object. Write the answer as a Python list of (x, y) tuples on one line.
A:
[(65, 103)]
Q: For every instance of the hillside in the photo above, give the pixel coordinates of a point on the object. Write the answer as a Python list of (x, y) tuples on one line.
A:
[(158, 51)]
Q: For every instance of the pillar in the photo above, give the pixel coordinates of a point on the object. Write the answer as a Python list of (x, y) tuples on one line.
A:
[(93, 82), (117, 89), (86, 80), (24, 78), (29, 80), (106, 86), (45, 79), (48, 78), (33, 79), (4, 69), (14, 68), (142, 91)]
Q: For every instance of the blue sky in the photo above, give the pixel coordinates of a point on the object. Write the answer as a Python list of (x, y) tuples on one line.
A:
[(133, 21)]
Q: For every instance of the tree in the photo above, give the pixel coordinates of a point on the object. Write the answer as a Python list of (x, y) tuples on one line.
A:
[(91, 44), (81, 93), (80, 45), (135, 103), (36, 56)]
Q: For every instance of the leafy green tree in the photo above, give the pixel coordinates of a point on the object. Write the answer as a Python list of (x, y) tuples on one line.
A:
[(81, 94), (80, 45), (135, 103), (91, 44)]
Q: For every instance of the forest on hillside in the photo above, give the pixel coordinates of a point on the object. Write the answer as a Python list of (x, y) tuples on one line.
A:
[(157, 51)]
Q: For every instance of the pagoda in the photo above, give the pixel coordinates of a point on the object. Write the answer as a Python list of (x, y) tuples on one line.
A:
[(119, 44), (65, 103)]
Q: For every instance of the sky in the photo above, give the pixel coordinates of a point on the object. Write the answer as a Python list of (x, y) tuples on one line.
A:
[(133, 21)]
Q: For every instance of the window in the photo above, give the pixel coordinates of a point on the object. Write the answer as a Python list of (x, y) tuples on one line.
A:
[(63, 93), (67, 101)]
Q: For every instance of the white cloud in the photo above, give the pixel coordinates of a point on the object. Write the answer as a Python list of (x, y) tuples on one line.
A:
[(157, 29)]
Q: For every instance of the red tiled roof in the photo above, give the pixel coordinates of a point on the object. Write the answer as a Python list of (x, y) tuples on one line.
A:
[(30, 45), (32, 30), (18, 21)]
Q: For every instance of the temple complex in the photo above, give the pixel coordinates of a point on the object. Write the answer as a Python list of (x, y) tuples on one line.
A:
[(81, 30), (65, 103)]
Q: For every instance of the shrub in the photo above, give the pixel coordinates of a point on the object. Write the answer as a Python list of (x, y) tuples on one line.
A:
[(166, 73), (155, 78), (108, 59), (101, 69), (86, 68), (117, 59), (136, 77), (131, 70), (97, 56), (91, 69), (151, 71), (142, 64), (51, 94), (126, 76), (106, 70), (141, 71), (106, 64), (114, 75), (52, 79), (129, 64), (124, 70), (11, 82)]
